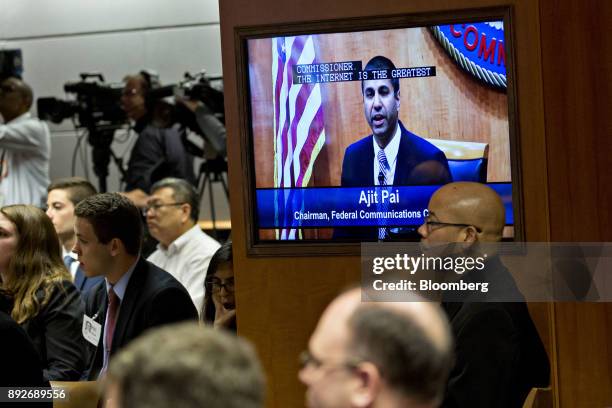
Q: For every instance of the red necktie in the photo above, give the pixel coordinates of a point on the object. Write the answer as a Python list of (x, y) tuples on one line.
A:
[(113, 306)]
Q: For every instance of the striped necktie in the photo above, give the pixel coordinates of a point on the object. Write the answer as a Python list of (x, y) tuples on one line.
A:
[(113, 307), (383, 180)]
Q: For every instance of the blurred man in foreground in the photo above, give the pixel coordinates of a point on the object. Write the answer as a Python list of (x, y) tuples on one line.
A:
[(377, 355), (186, 365)]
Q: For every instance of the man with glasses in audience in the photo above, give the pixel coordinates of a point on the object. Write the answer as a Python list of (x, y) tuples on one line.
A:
[(377, 355), (25, 147), (184, 250), (136, 294), (500, 356)]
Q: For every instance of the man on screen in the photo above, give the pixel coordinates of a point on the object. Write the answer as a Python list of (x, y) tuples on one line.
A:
[(391, 155)]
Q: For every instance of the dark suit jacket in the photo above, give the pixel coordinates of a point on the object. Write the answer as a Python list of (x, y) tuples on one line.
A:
[(56, 333), (499, 354), (158, 153), (20, 366), (418, 163), (152, 298)]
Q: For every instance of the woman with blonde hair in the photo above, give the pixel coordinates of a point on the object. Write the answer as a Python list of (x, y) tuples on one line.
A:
[(44, 301)]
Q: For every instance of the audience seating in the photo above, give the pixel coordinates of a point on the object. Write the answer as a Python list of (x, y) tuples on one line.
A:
[(539, 398), (81, 394)]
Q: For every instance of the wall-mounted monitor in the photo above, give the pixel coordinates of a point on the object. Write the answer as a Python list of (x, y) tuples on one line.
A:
[(349, 126)]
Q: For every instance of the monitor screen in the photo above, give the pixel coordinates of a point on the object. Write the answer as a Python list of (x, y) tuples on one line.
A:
[(352, 131)]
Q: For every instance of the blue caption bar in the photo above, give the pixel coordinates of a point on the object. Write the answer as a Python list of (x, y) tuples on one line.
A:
[(353, 206)]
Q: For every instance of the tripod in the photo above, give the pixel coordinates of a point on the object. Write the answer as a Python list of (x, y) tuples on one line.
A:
[(100, 140), (211, 171)]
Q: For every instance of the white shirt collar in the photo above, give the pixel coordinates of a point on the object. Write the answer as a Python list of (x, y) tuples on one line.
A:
[(21, 118), (176, 245)]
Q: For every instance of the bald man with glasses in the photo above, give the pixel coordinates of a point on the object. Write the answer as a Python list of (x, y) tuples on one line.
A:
[(499, 354)]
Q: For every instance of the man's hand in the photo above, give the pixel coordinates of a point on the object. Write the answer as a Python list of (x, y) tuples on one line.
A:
[(191, 104)]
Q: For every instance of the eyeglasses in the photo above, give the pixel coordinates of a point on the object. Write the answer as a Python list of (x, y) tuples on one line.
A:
[(215, 284), (435, 225), (308, 359), (155, 207)]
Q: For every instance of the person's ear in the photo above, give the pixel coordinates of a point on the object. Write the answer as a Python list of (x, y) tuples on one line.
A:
[(185, 212), (369, 383), (470, 234), (116, 246)]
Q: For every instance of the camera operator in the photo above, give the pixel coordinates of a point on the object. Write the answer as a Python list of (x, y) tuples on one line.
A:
[(207, 124), (25, 147), (159, 151)]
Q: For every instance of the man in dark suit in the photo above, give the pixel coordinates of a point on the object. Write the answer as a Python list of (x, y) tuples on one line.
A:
[(62, 196), (391, 155), (499, 354), (135, 294)]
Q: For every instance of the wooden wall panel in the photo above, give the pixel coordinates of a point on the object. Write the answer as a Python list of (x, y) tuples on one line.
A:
[(577, 74), (279, 299)]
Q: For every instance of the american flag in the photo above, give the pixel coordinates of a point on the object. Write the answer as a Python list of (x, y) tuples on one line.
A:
[(299, 131)]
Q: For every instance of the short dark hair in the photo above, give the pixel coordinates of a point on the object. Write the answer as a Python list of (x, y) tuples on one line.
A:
[(113, 216), (77, 188), (193, 366), (222, 256), (22, 87), (380, 62), (410, 361), (182, 192)]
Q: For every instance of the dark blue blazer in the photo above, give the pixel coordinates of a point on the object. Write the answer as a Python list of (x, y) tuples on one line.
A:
[(418, 163), (152, 298)]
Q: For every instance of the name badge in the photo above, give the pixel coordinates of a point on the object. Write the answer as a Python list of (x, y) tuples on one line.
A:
[(91, 330)]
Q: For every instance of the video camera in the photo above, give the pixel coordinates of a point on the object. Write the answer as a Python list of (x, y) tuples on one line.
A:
[(199, 87), (96, 105), (208, 121)]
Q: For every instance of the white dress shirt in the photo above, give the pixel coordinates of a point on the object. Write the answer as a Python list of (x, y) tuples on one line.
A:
[(25, 151), (187, 259)]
